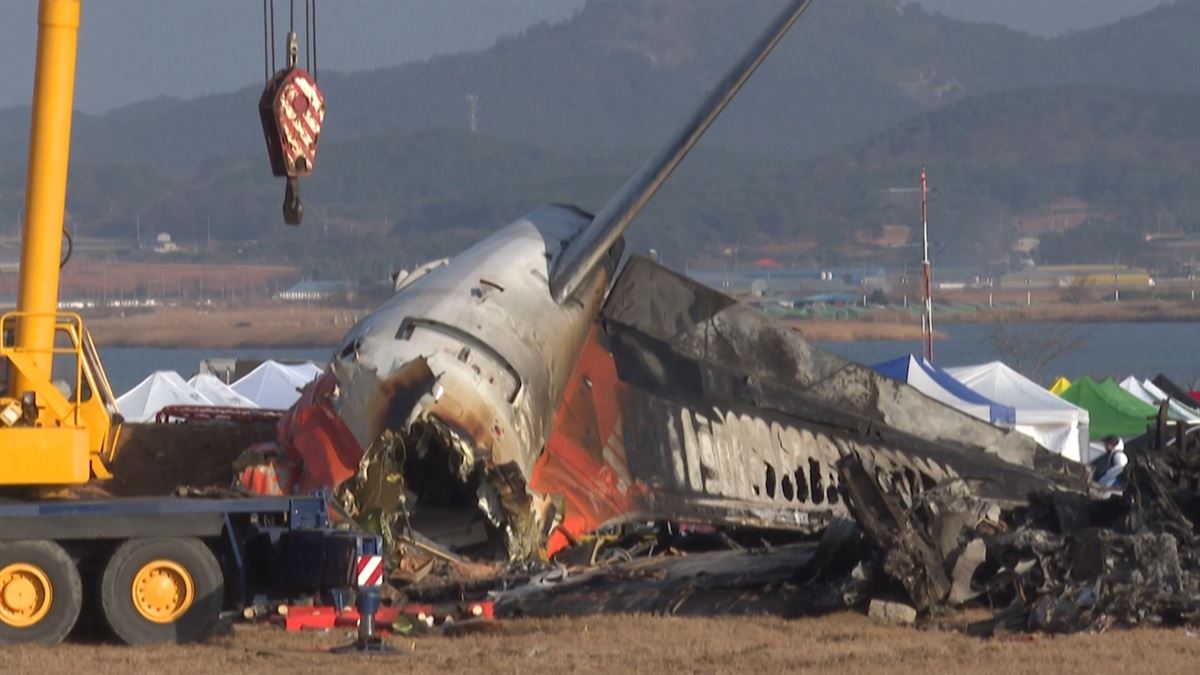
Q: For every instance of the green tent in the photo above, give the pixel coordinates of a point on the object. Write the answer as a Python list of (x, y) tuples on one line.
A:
[(1113, 411)]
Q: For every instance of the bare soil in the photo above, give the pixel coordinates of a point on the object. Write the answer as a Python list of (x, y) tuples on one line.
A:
[(839, 643), (154, 459)]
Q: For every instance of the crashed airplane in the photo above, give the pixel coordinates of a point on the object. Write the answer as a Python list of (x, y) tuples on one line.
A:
[(531, 390)]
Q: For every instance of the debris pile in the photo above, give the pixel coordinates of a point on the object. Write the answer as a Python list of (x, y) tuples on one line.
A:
[(1064, 562)]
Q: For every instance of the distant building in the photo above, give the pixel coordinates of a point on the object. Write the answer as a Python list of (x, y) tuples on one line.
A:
[(836, 299), (308, 291), (163, 244), (1065, 276), (1058, 216), (886, 236)]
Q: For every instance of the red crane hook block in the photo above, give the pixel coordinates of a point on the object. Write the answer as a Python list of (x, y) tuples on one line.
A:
[(292, 110)]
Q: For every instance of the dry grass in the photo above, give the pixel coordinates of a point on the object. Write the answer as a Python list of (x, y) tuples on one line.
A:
[(840, 643), (1131, 311), (852, 330), (226, 327)]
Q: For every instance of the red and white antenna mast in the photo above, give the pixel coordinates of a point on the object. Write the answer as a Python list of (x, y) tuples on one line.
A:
[(926, 275)]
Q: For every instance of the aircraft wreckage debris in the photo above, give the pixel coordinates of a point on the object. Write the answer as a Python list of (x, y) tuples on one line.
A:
[(1062, 563), (535, 419)]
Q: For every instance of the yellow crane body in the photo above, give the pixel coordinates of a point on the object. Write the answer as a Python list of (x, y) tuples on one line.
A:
[(52, 432)]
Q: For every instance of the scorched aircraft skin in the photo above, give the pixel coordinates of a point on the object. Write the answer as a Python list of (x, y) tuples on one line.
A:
[(507, 401)]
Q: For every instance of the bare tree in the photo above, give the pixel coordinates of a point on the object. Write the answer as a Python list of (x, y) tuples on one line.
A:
[(1032, 349), (1076, 291)]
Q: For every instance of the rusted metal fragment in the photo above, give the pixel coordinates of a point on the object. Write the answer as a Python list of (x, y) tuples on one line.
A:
[(910, 556)]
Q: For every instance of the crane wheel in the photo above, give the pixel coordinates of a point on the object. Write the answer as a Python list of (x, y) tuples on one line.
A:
[(40, 592), (162, 590)]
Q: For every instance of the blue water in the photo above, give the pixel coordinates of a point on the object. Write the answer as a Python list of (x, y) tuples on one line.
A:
[(1108, 349)]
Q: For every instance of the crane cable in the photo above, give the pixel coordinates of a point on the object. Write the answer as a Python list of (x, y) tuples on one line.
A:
[(310, 36), (266, 46)]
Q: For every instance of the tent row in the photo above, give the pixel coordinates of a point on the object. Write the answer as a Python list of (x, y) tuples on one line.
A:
[(998, 394), (1062, 419), (272, 385)]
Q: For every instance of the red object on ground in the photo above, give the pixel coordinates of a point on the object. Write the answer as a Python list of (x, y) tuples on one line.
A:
[(303, 617), (768, 263), (271, 478)]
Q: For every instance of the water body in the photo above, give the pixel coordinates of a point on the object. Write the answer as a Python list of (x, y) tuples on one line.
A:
[(1110, 349)]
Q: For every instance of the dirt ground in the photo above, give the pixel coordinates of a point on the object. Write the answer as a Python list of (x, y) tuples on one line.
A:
[(839, 643)]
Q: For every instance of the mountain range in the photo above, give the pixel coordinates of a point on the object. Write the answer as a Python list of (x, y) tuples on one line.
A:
[(861, 92)]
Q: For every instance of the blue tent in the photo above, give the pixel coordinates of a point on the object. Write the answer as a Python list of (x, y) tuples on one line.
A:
[(941, 386)]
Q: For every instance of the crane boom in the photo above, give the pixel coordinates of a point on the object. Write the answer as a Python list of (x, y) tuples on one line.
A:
[(46, 185)]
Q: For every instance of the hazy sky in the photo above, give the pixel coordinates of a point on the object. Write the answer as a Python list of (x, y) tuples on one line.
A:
[(131, 50)]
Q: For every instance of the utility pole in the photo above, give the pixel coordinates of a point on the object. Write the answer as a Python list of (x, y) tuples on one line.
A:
[(926, 273)]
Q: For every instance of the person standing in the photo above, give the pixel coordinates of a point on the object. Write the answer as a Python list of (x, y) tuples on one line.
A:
[(1107, 469)]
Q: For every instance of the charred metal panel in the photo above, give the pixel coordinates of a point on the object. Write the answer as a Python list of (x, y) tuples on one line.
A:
[(468, 360), (708, 326), (649, 433)]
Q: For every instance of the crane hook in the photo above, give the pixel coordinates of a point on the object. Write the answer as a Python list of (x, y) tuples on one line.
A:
[(293, 208)]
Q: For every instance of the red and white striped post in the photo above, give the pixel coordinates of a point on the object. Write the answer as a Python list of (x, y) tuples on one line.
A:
[(368, 578)]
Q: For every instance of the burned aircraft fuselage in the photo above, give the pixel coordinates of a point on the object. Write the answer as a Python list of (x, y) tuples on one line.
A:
[(510, 400), (467, 361)]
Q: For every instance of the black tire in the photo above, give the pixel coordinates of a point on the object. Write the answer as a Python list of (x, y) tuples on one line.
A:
[(199, 620), (66, 591)]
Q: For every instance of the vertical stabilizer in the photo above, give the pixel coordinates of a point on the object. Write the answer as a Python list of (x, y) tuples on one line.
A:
[(589, 247)]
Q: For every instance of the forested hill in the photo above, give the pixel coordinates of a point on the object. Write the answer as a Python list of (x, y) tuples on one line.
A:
[(1128, 153), (623, 73)]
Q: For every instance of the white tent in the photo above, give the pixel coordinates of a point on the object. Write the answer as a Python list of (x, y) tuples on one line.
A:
[(274, 385), (940, 385), (162, 388), (1149, 392), (307, 371), (212, 388), (1057, 425)]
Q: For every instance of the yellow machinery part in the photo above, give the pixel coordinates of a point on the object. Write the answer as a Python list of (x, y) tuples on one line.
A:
[(46, 185), (163, 591), (26, 595), (72, 435), (44, 456)]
